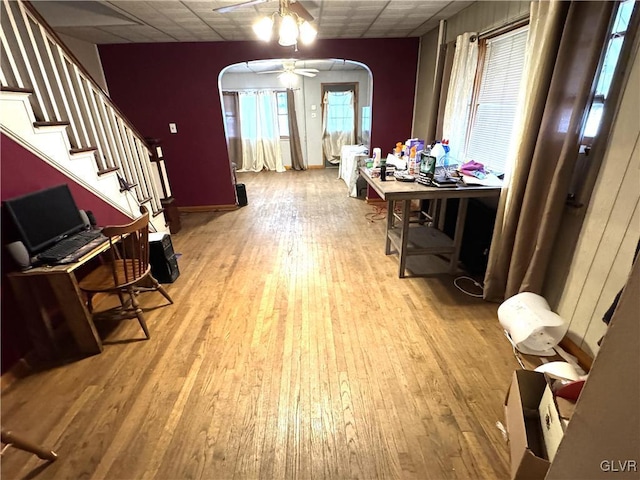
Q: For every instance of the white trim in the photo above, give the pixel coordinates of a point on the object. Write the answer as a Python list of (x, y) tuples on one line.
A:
[(79, 180)]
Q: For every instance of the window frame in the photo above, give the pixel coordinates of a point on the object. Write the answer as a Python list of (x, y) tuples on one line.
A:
[(283, 116), (482, 61)]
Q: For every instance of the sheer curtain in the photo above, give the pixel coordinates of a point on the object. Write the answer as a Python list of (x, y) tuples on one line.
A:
[(460, 92), (259, 133), (338, 123), (563, 51)]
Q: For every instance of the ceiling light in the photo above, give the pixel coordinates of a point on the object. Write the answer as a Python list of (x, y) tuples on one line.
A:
[(307, 33), (288, 31), (291, 27), (288, 79), (263, 28)]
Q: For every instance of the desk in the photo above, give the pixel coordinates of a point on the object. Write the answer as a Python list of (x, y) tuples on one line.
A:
[(425, 238), (31, 287)]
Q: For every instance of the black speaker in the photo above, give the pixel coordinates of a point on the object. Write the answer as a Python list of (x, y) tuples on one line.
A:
[(164, 264), (241, 192)]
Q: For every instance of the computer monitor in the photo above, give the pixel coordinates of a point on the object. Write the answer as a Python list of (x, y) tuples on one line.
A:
[(45, 217)]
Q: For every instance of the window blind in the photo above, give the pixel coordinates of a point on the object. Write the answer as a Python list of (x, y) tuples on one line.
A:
[(496, 103)]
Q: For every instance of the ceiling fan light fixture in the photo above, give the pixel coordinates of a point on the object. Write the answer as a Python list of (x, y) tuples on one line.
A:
[(288, 79), (263, 28), (288, 31), (307, 33)]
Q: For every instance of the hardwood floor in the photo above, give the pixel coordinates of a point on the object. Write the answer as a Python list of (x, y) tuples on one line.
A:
[(293, 350)]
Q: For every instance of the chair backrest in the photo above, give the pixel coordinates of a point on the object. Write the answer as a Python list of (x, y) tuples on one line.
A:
[(129, 249)]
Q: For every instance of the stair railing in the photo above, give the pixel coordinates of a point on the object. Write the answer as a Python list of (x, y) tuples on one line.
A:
[(35, 60)]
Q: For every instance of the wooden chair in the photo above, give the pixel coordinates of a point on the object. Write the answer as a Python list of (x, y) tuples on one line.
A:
[(127, 270)]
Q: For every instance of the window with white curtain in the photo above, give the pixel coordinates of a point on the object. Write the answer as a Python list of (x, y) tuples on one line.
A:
[(495, 102)]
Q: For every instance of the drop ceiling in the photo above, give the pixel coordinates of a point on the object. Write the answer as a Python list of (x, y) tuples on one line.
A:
[(104, 22)]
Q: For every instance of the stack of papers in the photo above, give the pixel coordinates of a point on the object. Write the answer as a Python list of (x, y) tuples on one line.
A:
[(490, 180)]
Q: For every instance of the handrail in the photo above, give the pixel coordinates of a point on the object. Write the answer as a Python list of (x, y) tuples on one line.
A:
[(64, 92), (86, 73)]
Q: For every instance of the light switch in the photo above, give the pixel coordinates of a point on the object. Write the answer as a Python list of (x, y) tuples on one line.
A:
[(314, 107), (313, 115), (173, 128)]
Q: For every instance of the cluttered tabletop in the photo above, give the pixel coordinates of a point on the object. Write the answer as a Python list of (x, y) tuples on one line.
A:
[(416, 170)]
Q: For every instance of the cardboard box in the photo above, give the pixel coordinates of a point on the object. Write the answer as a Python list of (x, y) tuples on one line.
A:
[(528, 454)]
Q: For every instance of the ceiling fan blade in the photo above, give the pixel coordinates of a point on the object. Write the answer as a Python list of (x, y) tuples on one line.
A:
[(298, 9), (304, 73), (230, 8), (309, 70), (270, 71)]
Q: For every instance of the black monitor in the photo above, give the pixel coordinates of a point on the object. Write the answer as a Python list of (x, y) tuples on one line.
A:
[(45, 217)]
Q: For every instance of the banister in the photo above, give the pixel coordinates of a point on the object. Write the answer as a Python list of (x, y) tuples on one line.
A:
[(85, 72)]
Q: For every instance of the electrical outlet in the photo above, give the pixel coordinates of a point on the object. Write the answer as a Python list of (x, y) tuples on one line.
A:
[(313, 115), (173, 128)]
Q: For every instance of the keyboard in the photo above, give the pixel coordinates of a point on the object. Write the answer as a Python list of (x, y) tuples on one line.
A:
[(67, 247)]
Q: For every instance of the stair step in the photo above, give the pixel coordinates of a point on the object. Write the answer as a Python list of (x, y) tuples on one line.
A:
[(4, 88), (107, 170), (158, 212), (51, 124), (145, 200), (82, 150)]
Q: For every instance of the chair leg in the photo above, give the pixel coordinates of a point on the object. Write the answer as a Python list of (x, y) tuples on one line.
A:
[(9, 438), (136, 306), (160, 288)]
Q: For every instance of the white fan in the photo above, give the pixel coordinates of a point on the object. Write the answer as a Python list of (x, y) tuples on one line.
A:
[(290, 67)]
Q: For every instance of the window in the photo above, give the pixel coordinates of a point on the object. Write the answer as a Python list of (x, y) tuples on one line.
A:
[(283, 114), (340, 114), (607, 70), (496, 99)]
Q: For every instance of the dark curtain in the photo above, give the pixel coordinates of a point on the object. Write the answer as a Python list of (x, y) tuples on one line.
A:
[(232, 123), (297, 162), (564, 47)]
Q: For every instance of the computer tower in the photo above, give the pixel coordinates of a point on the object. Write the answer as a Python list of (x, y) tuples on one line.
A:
[(241, 192), (162, 258)]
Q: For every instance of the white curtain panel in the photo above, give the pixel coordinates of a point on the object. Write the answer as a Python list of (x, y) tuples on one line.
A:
[(457, 107), (337, 123), (259, 132)]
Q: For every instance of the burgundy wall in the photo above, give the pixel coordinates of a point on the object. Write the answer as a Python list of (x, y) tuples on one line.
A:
[(22, 172), (155, 84)]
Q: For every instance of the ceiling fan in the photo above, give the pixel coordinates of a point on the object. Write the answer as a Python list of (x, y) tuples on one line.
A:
[(290, 67), (284, 6)]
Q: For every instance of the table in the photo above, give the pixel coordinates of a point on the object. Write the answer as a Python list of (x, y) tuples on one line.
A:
[(33, 288), (426, 236)]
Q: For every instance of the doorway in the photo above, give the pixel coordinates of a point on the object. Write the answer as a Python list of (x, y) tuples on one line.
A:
[(339, 120)]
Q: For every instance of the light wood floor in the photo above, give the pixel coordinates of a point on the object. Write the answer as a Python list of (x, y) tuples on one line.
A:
[(293, 350)]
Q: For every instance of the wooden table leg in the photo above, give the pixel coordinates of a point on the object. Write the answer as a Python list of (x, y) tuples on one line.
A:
[(79, 320), (457, 238), (390, 223), (36, 317), (404, 237)]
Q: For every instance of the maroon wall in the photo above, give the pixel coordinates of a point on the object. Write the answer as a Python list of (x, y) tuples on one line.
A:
[(155, 84), (22, 172)]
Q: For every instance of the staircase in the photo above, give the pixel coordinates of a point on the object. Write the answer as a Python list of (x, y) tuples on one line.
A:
[(51, 106)]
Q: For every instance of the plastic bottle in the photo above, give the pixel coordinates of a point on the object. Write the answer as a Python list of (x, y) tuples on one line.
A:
[(446, 161), (376, 157), (398, 149), (412, 161), (438, 151)]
